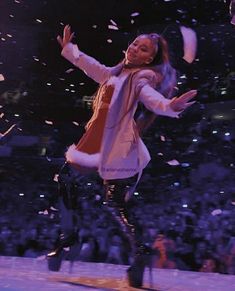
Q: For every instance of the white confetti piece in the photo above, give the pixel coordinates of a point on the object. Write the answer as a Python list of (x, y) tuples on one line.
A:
[(48, 122), (160, 154), (134, 14), (55, 179), (109, 40), (216, 212), (69, 71), (113, 27), (113, 22), (75, 123), (94, 26), (163, 138), (173, 163), (38, 20), (53, 208)]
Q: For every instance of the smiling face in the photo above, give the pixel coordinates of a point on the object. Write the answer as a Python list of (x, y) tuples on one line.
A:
[(141, 51)]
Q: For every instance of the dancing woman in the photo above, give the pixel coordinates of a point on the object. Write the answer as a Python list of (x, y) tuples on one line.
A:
[(112, 145)]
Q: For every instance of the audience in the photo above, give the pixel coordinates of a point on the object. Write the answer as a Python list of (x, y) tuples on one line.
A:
[(185, 209)]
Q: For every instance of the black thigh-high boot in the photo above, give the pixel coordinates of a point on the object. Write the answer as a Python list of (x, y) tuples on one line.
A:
[(67, 204), (115, 198)]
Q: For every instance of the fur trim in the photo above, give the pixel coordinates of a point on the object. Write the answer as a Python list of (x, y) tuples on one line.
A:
[(83, 159)]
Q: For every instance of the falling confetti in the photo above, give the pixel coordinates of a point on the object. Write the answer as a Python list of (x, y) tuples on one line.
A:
[(69, 71), (113, 27), (49, 122), (216, 212), (48, 159), (173, 163), (135, 14), (53, 208), (55, 179), (162, 138), (113, 22)]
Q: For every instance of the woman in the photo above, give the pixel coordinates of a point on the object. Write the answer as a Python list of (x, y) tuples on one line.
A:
[(112, 145)]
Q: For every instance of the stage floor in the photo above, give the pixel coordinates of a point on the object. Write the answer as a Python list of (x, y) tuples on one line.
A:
[(25, 274)]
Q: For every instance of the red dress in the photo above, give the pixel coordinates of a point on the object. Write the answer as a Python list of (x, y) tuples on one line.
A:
[(90, 142)]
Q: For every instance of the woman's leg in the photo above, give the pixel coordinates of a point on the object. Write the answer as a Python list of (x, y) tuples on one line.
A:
[(141, 254), (67, 206)]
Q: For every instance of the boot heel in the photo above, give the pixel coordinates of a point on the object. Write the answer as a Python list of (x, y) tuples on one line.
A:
[(135, 273), (55, 257), (54, 261)]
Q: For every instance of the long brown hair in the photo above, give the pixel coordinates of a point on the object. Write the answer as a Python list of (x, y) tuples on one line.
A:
[(166, 75)]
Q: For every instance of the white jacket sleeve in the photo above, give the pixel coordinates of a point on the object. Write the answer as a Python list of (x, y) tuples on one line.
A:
[(156, 102), (91, 67)]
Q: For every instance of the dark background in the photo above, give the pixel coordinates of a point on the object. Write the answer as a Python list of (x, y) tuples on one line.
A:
[(36, 84)]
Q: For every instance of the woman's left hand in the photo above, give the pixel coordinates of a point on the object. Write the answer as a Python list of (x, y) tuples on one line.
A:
[(181, 103)]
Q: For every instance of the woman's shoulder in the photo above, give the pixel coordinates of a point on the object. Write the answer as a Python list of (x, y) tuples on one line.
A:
[(149, 74)]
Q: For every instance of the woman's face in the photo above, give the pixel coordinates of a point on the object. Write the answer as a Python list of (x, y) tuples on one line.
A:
[(140, 52)]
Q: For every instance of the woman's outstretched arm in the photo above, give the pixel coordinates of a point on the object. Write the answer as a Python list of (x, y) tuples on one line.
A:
[(91, 67)]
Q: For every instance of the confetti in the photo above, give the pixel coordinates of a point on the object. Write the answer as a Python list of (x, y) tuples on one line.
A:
[(49, 122), (134, 14), (162, 138), (113, 22), (69, 71), (55, 179), (109, 40), (53, 208), (113, 27), (75, 123), (173, 163), (216, 212)]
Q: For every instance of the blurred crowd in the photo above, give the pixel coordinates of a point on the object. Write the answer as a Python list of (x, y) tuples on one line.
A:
[(184, 205)]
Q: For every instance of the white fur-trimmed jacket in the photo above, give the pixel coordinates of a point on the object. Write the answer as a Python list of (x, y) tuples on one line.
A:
[(123, 153)]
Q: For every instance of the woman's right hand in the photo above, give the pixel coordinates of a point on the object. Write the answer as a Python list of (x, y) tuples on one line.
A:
[(67, 36)]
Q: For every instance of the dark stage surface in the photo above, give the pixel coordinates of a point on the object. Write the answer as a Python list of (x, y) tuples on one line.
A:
[(21, 274)]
